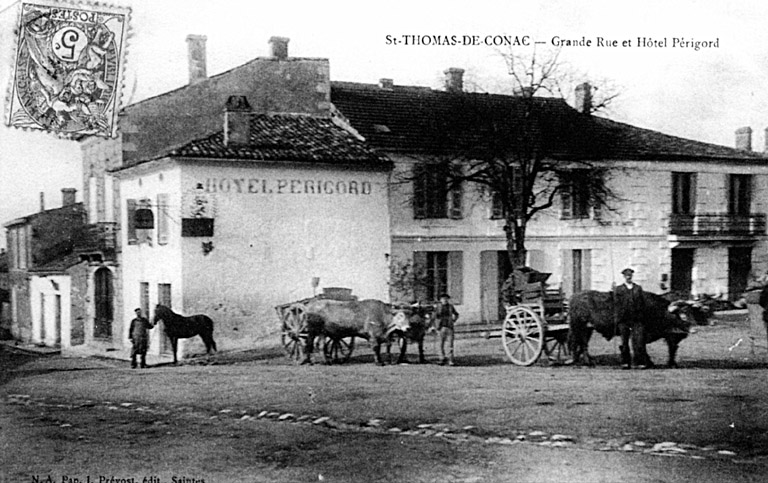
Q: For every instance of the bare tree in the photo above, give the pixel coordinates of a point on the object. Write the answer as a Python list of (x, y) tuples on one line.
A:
[(524, 156)]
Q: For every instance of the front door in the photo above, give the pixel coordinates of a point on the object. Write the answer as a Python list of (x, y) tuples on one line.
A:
[(682, 267), (103, 299), (505, 270), (739, 266)]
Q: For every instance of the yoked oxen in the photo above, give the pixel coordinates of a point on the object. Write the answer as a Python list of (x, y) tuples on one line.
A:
[(370, 319), (592, 310), (417, 319)]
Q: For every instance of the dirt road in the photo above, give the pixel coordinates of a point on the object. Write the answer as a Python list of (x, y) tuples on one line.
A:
[(483, 420)]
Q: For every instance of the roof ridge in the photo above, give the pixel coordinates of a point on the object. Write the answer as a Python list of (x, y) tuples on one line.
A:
[(220, 74)]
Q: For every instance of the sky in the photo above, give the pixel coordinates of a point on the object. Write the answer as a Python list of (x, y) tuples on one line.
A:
[(701, 94)]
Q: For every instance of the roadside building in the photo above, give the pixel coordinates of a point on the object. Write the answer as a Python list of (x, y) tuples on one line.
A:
[(229, 213), (237, 193), (690, 218), (41, 265)]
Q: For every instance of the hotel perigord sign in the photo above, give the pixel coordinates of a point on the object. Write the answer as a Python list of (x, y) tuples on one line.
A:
[(287, 186)]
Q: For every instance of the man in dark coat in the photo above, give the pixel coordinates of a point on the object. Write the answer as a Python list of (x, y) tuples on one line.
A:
[(139, 335), (445, 316), (629, 307)]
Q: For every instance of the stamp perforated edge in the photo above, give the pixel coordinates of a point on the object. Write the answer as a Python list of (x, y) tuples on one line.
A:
[(121, 69)]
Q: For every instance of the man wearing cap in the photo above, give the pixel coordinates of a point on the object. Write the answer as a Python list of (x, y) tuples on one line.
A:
[(629, 308), (139, 335), (445, 315)]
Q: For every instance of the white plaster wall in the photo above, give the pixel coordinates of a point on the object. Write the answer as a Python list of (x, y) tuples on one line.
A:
[(269, 246), (153, 263), (42, 288), (634, 235)]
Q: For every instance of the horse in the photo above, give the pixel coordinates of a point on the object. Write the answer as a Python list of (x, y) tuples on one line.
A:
[(181, 327)]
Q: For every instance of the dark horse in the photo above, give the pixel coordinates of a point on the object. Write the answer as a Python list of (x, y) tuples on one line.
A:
[(180, 327)]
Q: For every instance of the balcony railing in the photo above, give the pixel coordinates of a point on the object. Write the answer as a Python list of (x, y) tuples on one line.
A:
[(97, 241), (717, 224)]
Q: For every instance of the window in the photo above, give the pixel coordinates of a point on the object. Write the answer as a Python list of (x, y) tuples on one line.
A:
[(130, 229), (575, 195), (683, 193), (438, 272), (432, 197), (739, 194), (497, 207), (164, 294), (162, 219)]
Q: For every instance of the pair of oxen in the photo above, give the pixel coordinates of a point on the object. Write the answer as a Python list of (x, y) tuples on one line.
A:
[(589, 311)]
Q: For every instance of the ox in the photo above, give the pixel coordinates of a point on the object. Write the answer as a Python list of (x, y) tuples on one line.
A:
[(370, 319), (417, 320), (592, 310)]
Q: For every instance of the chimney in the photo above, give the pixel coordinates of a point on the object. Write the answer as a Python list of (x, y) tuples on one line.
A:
[(583, 98), (279, 47), (42, 201), (387, 84), (196, 58), (454, 81), (237, 121), (744, 138), (526, 91), (68, 196), (766, 140)]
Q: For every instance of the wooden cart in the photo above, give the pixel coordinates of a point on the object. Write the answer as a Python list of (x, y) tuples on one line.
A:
[(536, 324), (293, 324)]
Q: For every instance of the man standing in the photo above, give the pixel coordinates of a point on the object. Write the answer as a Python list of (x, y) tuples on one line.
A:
[(445, 315), (628, 312), (139, 335)]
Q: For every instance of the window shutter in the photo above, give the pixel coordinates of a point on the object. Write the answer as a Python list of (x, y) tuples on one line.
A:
[(130, 229), (566, 262), (566, 210), (457, 195), (419, 272), (692, 206), (586, 268), (162, 218), (419, 192), (456, 276)]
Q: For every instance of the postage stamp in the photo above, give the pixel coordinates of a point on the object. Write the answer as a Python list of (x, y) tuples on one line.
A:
[(68, 67)]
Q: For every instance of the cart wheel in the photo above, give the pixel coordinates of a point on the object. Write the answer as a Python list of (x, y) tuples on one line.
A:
[(338, 351), (523, 335), (556, 349), (294, 336)]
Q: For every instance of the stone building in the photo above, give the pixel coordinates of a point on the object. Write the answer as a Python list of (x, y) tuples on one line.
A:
[(45, 306), (690, 215), (237, 193), (293, 188)]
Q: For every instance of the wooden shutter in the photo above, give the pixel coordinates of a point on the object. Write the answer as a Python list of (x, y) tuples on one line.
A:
[(162, 218), (566, 264), (566, 210), (586, 269), (419, 271), (419, 192), (457, 195), (130, 228), (456, 276)]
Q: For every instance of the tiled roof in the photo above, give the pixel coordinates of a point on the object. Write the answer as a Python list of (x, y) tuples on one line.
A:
[(285, 137), (419, 120), (57, 265)]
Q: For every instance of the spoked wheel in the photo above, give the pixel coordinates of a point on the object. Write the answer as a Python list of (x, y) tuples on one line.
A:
[(338, 351), (294, 336), (556, 349), (523, 335)]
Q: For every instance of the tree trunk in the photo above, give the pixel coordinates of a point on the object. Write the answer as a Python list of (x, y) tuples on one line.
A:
[(516, 243)]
